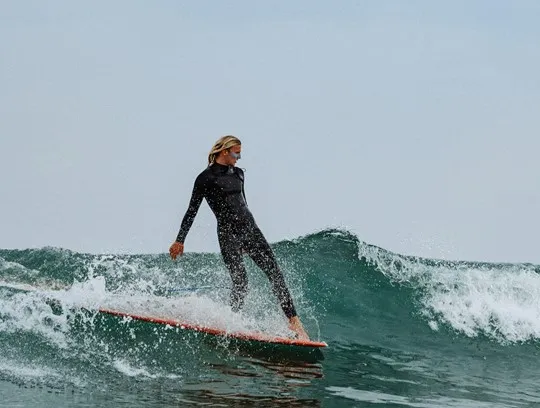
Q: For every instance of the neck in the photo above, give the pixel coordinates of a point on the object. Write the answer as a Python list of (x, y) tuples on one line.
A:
[(221, 160)]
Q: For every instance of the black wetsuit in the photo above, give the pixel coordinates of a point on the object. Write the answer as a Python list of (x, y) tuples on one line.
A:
[(223, 188)]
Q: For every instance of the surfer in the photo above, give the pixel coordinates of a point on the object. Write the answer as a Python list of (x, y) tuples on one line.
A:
[(222, 185)]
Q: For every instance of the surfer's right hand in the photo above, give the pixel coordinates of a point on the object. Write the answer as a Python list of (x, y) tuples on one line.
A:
[(177, 248)]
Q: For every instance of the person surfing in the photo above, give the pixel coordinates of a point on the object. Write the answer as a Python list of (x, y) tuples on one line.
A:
[(222, 185)]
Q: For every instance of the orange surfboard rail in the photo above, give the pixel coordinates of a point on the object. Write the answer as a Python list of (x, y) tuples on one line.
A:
[(250, 336)]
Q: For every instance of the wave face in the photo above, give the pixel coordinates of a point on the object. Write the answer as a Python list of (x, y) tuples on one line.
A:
[(403, 331)]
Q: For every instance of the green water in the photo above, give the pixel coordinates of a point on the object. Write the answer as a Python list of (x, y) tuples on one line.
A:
[(402, 331)]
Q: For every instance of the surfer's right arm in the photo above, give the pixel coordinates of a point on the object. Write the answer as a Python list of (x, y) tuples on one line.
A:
[(177, 248)]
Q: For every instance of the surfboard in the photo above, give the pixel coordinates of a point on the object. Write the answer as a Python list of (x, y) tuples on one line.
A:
[(248, 336), (184, 325)]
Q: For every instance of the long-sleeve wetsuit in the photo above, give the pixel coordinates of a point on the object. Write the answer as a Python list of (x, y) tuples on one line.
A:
[(223, 188)]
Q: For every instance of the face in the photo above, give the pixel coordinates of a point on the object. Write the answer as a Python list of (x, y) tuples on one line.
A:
[(233, 155)]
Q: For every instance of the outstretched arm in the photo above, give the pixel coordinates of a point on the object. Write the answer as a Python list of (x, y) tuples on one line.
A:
[(177, 248), (196, 198)]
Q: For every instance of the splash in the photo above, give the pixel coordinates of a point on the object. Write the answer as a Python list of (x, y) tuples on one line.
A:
[(498, 301)]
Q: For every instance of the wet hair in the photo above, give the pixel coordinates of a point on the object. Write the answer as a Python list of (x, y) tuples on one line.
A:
[(223, 143)]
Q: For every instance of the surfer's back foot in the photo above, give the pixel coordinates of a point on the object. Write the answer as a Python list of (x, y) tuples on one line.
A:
[(296, 326)]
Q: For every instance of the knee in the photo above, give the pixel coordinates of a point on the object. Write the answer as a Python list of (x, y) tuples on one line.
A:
[(232, 259), (277, 279), (240, 283)]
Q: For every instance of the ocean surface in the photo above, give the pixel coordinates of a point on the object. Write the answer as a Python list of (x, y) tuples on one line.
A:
[(402, 331)]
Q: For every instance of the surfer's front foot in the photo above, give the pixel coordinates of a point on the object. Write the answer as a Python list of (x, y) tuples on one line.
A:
[(296, 326)]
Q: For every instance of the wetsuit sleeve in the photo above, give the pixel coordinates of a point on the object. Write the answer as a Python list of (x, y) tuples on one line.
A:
[(241, 174), (196, 199)]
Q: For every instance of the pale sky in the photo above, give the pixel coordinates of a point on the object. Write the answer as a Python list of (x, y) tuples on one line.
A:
[(413, 124)]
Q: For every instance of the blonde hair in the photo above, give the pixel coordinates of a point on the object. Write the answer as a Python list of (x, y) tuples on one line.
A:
[(223, 143)]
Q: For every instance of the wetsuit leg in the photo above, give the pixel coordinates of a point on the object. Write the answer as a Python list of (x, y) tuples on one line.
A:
[(230, 247), (259, 250)]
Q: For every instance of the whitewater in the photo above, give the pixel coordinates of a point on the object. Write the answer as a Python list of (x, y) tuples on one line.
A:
[(402, 330)]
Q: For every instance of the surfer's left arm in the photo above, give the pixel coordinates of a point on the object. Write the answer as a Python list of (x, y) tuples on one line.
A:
[(241, 176)]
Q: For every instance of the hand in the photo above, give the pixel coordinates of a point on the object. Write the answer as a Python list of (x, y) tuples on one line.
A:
[(177, 248)]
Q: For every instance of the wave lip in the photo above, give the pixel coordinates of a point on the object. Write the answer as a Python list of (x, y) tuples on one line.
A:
[(477, 299)]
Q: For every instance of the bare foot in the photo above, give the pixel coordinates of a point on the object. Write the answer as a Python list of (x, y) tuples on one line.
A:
[(296, 326)]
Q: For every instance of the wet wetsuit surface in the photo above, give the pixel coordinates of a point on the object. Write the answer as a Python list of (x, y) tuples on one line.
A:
[(223, 188)]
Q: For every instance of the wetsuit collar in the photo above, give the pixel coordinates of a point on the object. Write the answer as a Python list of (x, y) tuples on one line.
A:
[(223, 168)]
